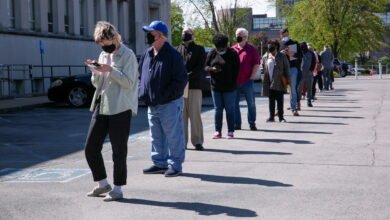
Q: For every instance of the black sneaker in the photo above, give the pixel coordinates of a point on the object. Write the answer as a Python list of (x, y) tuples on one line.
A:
[(270, 120), (282, 120), (155, 170), (237, 127), (172, 172), (199, 147), (253, 128)]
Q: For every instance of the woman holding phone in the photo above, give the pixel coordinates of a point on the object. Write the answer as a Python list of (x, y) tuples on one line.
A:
[(115, 76)]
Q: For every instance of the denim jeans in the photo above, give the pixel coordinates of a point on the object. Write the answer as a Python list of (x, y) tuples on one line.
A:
[(249, 94), (224, 100), (327, 78), (167, 134), (294, 77)]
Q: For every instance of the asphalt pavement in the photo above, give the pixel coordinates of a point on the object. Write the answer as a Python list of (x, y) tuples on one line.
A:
[(332, 162)]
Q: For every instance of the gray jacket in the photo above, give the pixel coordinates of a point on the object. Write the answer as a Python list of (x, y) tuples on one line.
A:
[(282, 68), (307, 64), (327, 59)]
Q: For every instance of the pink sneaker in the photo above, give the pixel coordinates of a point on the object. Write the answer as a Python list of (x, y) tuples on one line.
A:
[(230, 135), (217, 135)]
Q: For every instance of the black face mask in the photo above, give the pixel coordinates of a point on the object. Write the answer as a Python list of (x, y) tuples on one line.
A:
[(304, 49), (239, 39), (109, 48), (186, 37), (271, 48), (149, 38)]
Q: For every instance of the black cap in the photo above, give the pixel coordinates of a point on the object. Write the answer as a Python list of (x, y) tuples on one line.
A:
[(284, 30)]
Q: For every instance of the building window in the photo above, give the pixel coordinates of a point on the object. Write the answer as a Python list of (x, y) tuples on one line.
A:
[(154, 14), (50, 16), (31, 14), (96, 10), (83, 13), (66, 16), (11, 13), (268, 23), (109, 11)]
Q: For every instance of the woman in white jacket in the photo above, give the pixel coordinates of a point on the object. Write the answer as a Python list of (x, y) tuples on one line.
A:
[(115, 76)]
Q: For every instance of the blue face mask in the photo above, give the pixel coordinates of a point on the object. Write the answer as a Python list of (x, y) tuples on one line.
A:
[(221, 52)]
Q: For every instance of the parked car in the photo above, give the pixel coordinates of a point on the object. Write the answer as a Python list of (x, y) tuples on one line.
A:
[(76, 90)]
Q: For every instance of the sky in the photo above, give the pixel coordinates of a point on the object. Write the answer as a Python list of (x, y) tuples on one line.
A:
[(258, 6)]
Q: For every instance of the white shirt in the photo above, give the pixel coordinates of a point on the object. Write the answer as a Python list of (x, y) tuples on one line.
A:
[(270, 65)]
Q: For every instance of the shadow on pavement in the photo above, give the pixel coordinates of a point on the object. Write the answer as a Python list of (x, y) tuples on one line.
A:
[(331, 116), (321, 106), (200, 208), (235, 180), (323, 110), (317, 123), (243, 152), (276, 140), (295, 132)]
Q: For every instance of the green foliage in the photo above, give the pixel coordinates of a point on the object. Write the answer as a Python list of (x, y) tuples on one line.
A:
[(385, 60), (347, 26), (203, 36), (177, 23)]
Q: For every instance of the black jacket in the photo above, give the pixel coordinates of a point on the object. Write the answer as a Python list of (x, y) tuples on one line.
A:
[(194, 57), (298, 55), (229, 65)]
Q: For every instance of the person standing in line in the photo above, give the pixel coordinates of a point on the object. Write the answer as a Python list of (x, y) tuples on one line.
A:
[(223, 65), (249, 64), (316, 73), (162, 80), (307, 67), (292, 49), (327, 63), (115, 76), (276, 74), (194, 57)]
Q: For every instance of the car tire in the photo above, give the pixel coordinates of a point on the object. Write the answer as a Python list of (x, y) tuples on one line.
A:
[(78, 96)]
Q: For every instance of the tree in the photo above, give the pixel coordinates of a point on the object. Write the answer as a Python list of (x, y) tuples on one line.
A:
[(347, 26), (225, 20), (203, 36), (260, 41), (177, 23)]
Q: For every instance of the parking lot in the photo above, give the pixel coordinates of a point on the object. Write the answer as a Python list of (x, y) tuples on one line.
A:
[(332, 162)]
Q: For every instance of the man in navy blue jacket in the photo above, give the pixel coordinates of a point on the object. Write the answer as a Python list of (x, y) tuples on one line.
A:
[(163, 78)]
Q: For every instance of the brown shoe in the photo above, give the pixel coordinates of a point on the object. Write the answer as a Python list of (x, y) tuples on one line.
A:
[(295, 114), (299, 106)]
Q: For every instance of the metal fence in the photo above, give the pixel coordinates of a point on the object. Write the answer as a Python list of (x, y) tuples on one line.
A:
[(19, 80)]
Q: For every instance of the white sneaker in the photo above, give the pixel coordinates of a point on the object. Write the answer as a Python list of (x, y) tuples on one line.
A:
[(96, 192), (113, 196)]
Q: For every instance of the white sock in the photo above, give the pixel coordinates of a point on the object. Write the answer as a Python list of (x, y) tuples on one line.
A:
[(102, 183), (117, 189)]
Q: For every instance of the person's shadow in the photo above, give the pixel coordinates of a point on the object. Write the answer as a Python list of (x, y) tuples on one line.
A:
[(235, 180), (200, 208)]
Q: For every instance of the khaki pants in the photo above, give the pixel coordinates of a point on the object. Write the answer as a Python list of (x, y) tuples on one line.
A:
[(192, 110)]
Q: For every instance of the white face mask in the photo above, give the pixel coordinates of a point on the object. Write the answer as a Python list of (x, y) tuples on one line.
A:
[(285, 39)]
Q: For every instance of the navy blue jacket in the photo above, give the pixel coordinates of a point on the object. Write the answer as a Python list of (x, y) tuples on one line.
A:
[(162, 77)]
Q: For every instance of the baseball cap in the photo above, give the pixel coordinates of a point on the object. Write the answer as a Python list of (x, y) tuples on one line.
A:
[(156, 26)]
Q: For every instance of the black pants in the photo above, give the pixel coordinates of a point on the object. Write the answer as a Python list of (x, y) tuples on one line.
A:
[(317, 79), (277, 96), (118, 128)]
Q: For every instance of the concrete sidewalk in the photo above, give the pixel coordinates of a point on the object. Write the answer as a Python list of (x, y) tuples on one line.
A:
[(14, 104), (332, 162)]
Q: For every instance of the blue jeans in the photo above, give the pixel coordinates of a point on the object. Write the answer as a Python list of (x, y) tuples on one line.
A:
[(167, 134), (224, 100), (249, 94), (294, 79)]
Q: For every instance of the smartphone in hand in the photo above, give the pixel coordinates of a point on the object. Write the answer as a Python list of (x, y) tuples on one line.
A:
[(94, 65)]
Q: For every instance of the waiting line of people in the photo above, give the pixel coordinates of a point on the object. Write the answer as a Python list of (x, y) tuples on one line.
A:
[(168, 81)]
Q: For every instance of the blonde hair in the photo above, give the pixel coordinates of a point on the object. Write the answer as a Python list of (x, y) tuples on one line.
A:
[(105, 31)]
